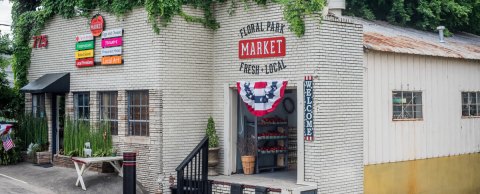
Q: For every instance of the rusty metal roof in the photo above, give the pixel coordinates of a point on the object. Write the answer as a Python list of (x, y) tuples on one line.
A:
[(381, 36)]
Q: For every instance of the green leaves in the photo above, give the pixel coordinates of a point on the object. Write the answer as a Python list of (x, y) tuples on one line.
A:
[(211, 133)]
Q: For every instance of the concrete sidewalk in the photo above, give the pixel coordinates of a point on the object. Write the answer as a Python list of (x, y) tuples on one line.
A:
[(28, 178)]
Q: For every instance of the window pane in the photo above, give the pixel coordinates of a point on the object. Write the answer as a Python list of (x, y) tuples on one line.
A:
[(473, 110), (465, 110), (407, 105), (417, 98), (464, 98), (138, 113)]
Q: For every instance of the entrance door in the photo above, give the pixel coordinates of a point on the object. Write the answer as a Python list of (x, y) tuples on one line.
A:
[(58, 112)]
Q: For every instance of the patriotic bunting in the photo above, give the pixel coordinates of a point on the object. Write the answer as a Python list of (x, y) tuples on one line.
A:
[(261, 97)]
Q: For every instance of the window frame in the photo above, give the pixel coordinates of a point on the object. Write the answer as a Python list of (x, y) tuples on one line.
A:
[(76, 106), (469, 104), (412, 92), (35, 106), (130, 122), (113, 122)]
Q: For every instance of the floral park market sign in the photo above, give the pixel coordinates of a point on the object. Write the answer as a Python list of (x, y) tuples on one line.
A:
[(270, 47)]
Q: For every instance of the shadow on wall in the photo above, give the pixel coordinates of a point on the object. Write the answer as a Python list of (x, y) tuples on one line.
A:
[(455, 174)]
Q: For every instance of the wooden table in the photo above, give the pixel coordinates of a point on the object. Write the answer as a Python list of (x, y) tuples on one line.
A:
[(87, 162)]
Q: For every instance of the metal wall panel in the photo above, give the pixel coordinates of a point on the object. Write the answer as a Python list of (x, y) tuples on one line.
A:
[(443, 131)]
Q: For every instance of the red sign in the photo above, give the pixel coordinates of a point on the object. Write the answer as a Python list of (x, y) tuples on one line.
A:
[(87, 62), (40, 41), (96, 25), (262, 48)]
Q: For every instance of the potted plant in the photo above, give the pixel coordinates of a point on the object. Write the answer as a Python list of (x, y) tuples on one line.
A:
[(248, 151), (212, 147)]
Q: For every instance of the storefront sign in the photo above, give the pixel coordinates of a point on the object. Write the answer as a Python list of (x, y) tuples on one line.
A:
[(262, 48), (112, 51), (96, 25), (40, 41), (308, 94), (111, 42), (88, 62), (85, 37), (86, 45), (112, 33), (84, 54), (112, 60)]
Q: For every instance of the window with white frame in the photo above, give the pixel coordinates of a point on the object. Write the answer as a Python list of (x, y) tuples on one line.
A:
[(109, 110), (407, 105), (138, 113), (38, 105), (470, 104), (81, 103)]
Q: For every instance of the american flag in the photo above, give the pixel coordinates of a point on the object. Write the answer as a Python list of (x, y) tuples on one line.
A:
[(7, 142)]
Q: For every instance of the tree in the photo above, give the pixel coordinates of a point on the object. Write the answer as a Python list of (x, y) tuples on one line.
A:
[(7, 94), (455, 15)]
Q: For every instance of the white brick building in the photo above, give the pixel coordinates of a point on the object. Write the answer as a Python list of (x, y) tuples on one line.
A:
[(190, 73)]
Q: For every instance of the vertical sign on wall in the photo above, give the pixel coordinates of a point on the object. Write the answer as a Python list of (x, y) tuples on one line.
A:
[(308, 94)]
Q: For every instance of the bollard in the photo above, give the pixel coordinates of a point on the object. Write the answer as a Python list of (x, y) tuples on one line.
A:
[(129, 172)]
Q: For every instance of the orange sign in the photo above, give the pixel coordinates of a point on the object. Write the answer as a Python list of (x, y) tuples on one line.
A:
[(96, 25), (112, 60)]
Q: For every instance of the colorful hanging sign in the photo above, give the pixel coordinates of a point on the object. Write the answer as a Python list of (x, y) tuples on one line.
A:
[(85, 45), (96, 25), (262, 48), (112, 60), (112, 33), (87, 62), (85, 37), (84, 54), (40, 41), (308, 114), (112, 42), (261, 97), (112, 51)]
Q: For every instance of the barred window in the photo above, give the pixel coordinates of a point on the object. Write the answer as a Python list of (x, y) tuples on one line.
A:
[(138, 113), (407, 105), (109, 110), (81, 103), (470, 104), (38, 105)]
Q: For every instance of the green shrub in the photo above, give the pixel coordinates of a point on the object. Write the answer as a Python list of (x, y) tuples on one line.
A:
[(212, 134), (32, 130), (77, 133), (13, 155)]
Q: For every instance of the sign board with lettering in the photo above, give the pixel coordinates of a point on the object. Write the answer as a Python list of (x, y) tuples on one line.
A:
[(87, 62), (112, 33), (112, 42), (308, 114), (112, 60), (85, 45), (262, 48), (83, 54), (85, 37), (96, 25), (112, 51)]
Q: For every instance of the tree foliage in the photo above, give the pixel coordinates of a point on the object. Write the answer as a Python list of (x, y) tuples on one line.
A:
[(7, 94), (455, 15)]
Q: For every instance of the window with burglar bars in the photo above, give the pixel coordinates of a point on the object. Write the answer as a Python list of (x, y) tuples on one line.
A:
[(81, 103), (138, 113), (38, 105), (470, 104), (109, 110), (407, 105)]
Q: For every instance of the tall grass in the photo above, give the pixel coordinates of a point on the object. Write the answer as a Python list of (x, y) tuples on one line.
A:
[(77, 133), (33, 130)]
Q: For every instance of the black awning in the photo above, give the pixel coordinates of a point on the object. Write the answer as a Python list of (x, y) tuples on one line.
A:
[(49, 83)]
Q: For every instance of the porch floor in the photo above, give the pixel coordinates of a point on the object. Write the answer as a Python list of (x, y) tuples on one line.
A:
[(284, 180)]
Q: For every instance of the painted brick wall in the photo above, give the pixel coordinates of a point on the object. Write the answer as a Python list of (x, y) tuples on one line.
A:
[(331, 52), (141, 70)]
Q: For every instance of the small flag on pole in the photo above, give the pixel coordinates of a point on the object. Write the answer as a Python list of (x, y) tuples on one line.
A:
[(7, 142)]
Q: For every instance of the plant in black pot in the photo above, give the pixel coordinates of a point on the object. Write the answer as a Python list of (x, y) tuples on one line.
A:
[(212, 147)]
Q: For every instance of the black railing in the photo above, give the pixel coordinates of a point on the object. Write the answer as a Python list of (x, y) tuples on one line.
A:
[(192, 173)]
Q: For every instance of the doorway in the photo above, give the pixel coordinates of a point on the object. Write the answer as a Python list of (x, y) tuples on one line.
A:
[(58, 113)]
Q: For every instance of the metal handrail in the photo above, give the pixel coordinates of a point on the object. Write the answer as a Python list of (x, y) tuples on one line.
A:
[(192, 173)]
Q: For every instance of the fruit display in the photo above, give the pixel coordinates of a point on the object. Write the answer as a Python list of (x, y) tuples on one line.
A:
[(273, 121), (272, 149), (271, 135)]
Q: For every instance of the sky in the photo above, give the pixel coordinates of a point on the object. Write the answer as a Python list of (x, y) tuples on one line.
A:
[(5, 17)]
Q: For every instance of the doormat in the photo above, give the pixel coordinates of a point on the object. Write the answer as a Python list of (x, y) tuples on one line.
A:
[(44, 165)]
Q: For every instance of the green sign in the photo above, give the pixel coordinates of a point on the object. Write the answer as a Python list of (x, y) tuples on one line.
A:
[(86, 45)]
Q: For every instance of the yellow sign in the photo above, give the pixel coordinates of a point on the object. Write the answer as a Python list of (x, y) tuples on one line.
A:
[(112, 60), (84, 54)]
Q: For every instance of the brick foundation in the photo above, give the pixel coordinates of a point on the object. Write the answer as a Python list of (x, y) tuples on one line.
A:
[(224, 188)]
